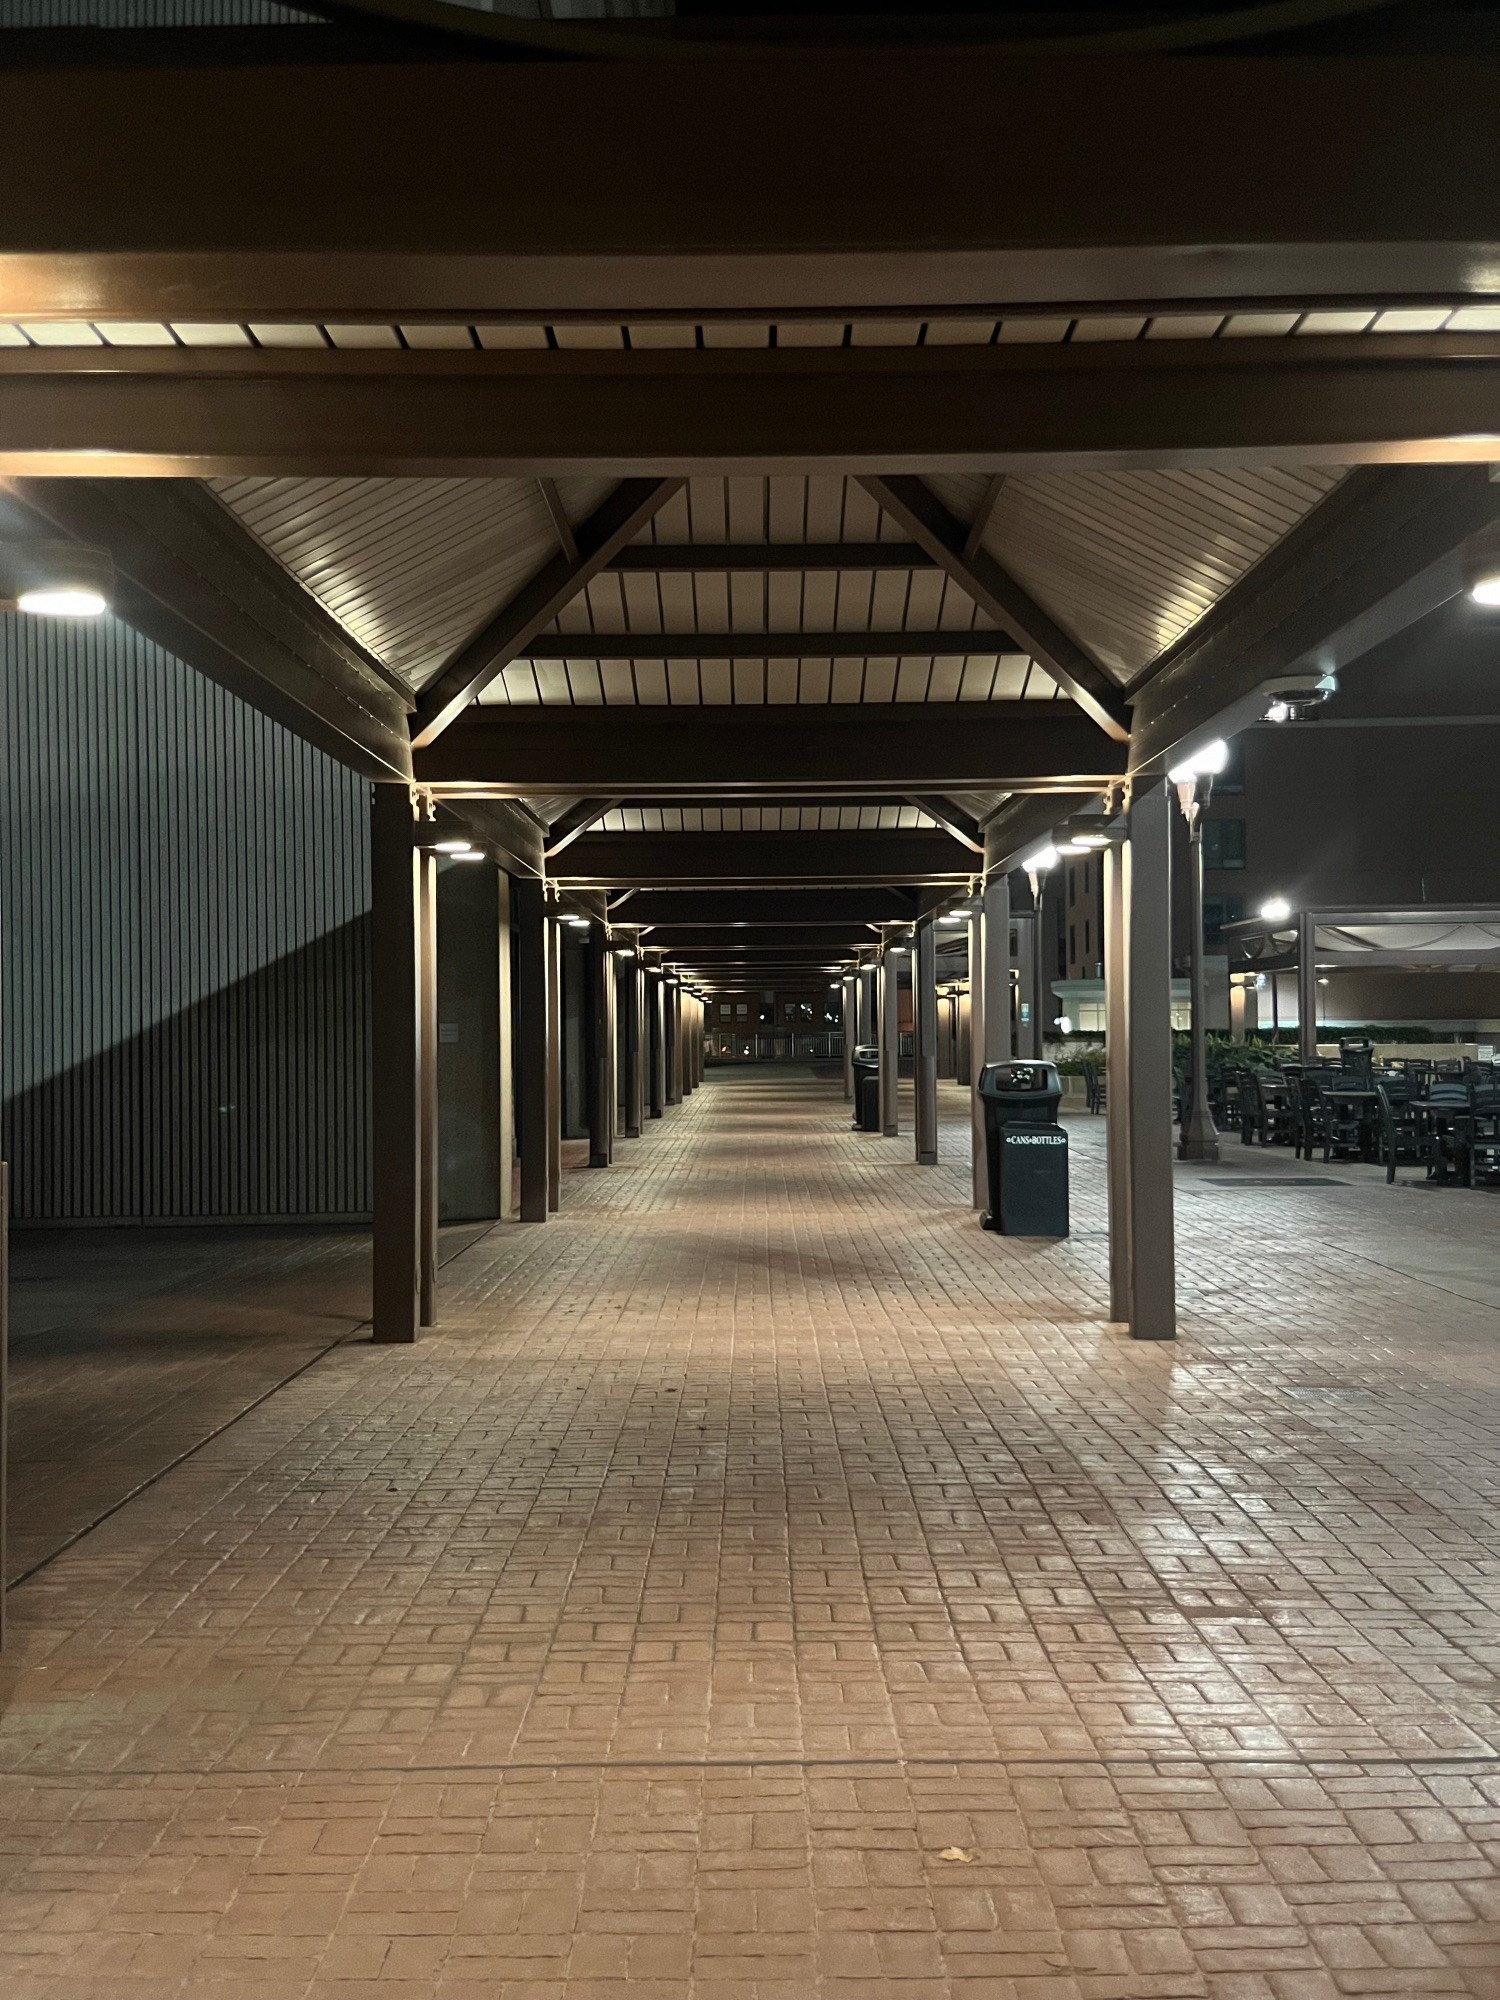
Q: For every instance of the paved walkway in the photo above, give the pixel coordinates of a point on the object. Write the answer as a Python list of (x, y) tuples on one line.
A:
[(766, 1586)]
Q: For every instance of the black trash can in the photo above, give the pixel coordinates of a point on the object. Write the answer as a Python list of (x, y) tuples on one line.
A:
[(867, 1087), (1027, 1148)]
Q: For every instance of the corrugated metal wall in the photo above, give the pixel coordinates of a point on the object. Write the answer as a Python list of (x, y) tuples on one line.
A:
[(184, 888)]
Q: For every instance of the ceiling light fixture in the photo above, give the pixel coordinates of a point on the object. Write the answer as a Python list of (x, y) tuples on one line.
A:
[(56, 579)]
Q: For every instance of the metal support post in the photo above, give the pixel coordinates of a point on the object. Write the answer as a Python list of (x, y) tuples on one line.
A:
[(599, 1025), (427, 946), (632, 991), (554, 1062), (924, 1041), (890, 1044), (1148, 901), (1199, 1138), (1307, 987), (848, 1013), (1117, 1081), (981, 998), (997, 1029), (1029, 1030), (527, 914), (656, 1026), (4, 1385), (395, 1049), (865, 1031), (685, 1005), (673, 1048), (507, 1151)]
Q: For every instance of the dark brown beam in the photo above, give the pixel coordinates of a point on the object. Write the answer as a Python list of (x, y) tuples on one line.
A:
[(766, 645), (731, 936), (171, 412), (562, 527), (1022, 824), (907, 499), (735, 860), (506, 825), (1271, 176), (189, 576), (670, 558), (1381, 551), (714, 907), (951, 819), (623, 514), (577, 819), (631, 751)]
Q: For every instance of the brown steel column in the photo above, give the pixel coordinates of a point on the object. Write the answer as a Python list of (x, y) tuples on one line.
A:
[(530, 923), (599, 1026), (924, 1041), (554, 1062), (4, 1385), (673, 1041), (1148, 904), (890, 1044), (980, 1001), (1307, 988), (632, 987), (507, 1051), (1117, 1081), (428, 1050), (395, 1052), (848, 1014), (685, 1035), (656, 1043)]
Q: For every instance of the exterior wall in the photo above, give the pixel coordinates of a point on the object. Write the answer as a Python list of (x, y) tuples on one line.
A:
[(184, 889)]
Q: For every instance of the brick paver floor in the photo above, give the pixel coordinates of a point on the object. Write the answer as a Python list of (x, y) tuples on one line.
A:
[(766, 1586)]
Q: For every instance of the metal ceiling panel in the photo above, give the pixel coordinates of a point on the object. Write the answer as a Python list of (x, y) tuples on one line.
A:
[(777, 510), (1128, 561), (410, 567), (850, 817)]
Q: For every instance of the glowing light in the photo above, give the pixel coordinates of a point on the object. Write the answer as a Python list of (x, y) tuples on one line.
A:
[(62, 603), (1042, 859), (1276, 911), (1205, 763)]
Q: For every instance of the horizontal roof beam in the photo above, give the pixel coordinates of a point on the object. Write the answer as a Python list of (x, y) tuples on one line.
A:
[(470, 413), (636, 751), (676, 908), (742, 860), (983, 645), (714, 558), (1262, 178)]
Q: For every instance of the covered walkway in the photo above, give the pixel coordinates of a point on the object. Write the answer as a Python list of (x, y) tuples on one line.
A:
[(765, 1586)]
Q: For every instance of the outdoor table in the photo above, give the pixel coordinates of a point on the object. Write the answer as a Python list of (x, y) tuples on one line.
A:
[(1446, 1117)]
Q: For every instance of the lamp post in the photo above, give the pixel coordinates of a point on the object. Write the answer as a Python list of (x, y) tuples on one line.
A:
[(1194, 779), (1036, 866)]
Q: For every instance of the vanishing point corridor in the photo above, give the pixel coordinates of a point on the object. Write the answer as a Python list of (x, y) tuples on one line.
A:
[(766, 1586)]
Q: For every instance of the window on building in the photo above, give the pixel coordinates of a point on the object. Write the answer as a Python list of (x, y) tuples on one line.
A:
[(1072, 942), (1072, 886), (1223, 843), (742, 1007), (1087, 954)]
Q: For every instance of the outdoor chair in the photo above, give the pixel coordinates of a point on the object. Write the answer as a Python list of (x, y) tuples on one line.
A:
[(1095, 1087), (1271, 1118), (1345, 1125), (1482, 1132), (1400, 1125), (1447, 1105)]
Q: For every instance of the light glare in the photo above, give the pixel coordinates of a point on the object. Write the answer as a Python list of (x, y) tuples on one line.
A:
[(61, 603), (1276, 911)]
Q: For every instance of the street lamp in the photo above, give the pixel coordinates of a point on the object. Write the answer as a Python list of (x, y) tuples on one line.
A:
[(1194, 779), (1036, 865)]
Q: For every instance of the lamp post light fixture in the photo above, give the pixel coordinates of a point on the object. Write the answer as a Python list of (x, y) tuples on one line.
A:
[(1194, 780), (1276, 911), (1036, 865)]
